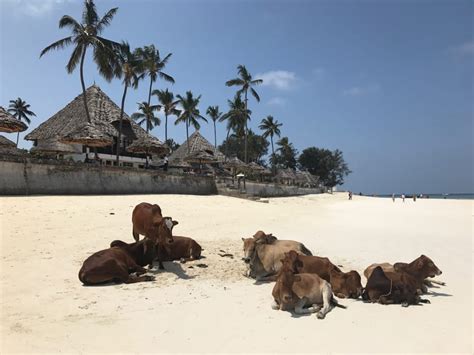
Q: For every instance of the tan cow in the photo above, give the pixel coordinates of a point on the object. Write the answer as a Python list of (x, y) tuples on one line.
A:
[(264, 252), (296, 292)]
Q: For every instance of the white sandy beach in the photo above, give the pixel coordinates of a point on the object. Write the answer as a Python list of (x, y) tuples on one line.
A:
[(45, 308)]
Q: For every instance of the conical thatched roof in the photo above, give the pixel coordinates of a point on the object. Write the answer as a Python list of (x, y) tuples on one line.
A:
[(8, 147), (89, 134), (5, 142), (285, 174), (197, 143), (234, 162), (10, 124), (149, 145), (200, 157), (103, 112), (305, 177)]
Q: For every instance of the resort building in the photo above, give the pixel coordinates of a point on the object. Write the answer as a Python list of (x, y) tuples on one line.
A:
[(49, 137)]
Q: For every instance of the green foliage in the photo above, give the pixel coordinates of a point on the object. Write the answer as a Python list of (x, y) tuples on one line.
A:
[(20, 110), (286, 155), (328, 165), (189, 110), (147, 115), (172, 144), (234, 146)]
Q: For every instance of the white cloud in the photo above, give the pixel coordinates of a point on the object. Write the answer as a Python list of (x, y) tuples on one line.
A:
[(277, 101), (318, 72), (278, 79), (35, 8), (361, 90), (464, 49)]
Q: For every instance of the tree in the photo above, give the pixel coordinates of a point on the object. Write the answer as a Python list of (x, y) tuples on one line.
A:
[(154, 65), (172, 144), (189, 113), (131, 68), (236, 117), (270, 128), (147, 115), (85, 35), (257, 146), (215, 114), (166, 99), (287, 153), (21, 111), (328, 165), (246, 83)]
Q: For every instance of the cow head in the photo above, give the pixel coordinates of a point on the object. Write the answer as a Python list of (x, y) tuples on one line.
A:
[(422, 267), (292, 261), (286, 279), (378, 285), (345, 284), (161, 230), (250, 244)]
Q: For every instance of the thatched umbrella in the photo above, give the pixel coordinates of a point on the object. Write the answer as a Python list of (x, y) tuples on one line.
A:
[(201, 157), (148, 145), (10, 124)]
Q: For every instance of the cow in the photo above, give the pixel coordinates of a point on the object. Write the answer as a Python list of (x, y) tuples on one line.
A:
[(182, 248), (294, 292), (391, 288), (421, 268), (118, 263), (148, 221), (264, 253)]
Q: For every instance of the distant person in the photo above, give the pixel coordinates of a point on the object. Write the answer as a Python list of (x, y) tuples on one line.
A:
[(403, 197), (360, 193), (165, 165), (414, 197), (393, 197), (350, 195)]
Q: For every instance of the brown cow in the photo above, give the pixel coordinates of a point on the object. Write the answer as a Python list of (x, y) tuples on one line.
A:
[(182, 248), (295, 292), (264, 253), (421, 268), (148, 221), (117, 263), (391, 287)]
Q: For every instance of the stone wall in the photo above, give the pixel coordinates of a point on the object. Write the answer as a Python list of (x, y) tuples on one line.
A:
[(266, 190), (25, 176)]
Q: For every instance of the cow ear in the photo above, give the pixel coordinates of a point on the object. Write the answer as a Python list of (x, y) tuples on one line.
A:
[(243, 239), (175, 223), (399, 267)]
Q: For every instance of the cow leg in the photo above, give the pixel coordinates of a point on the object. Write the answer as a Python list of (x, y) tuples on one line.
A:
[(299, 307), (275, 305), (266, 278), (131, 279), (160, 265), (430, 282), (385, 300), (327, 297)]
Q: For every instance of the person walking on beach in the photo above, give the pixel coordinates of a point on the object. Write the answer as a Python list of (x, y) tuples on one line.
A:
[(403, 197), (393, 197), (414, 197), (350, 195)]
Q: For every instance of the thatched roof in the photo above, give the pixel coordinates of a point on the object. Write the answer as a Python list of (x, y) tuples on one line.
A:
[(200, 157), (234, 162), (197, 143), (148, 145), (89, 134), (305, 177), (286, 174), (259, 169), (10, 124), (54, 146), (5, 142), (103, 113)]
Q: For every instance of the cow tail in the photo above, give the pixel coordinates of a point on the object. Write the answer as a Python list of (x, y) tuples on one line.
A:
[(305, 250), (335, 303)]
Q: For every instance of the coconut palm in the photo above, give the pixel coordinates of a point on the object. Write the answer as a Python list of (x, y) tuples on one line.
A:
[(270, 128), (85, 35), (153, 65), (130, 73), (215, 114), (189, 113), (287, 152), (236, 117), (246, 83), (21, 111), (147, 115), (168, 103)]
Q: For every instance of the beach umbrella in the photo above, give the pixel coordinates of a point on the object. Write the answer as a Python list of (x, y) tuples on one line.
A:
[(10, 124), (148, 145), (234, 162), (201, 157), (89, 135)]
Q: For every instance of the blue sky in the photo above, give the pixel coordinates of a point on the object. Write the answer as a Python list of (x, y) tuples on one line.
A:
[(390, 83)]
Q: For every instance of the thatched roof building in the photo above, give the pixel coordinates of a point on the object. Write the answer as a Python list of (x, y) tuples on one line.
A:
[(306, 179), (8, 147), (197, 144), (104, 114), (9, 124)]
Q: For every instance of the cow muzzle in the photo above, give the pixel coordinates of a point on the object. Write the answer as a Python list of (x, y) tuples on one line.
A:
[(246, 260)]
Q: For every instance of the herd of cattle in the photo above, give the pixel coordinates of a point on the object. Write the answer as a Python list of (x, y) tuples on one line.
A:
[(304, 283)]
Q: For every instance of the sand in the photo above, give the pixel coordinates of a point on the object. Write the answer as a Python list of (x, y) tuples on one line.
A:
[(44, 307)]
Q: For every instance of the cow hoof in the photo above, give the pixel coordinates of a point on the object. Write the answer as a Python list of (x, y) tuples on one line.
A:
[(149, 278), (405, 304), (320, 315), (182, 260)]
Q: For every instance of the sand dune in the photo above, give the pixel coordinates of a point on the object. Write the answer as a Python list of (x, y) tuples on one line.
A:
[(44, 307)]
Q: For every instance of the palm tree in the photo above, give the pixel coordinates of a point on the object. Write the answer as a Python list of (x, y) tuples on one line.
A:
[(84, 35), (287, 152), (153, 65), (189, 113), (130, 71), (270, 128), (20, 110), (236, 117), (166, 99), (215, 114), (246, 83), (147, 115)]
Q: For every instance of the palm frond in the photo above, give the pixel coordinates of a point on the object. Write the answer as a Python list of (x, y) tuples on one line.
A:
[(57, 45), (254, 93), (235, 82), (166, 77), (89, 14), (106, 19), (75, 58), (68, 21)]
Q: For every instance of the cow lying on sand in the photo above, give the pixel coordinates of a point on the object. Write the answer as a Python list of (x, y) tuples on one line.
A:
[(344, 284), (391, 287), (264, 253), (294, 292), (420, 269), (182, 248), (148, 221), (117, 263)]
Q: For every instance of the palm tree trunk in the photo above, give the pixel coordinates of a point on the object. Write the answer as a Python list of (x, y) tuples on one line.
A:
[(166, 127), (149, 91), (84, 85), (120, 122), (273, 155), (227, 145), (245, 133), (187, 136), (17, 138), (215, 136)]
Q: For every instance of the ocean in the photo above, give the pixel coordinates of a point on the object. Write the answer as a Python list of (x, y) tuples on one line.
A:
[(452, 196)]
